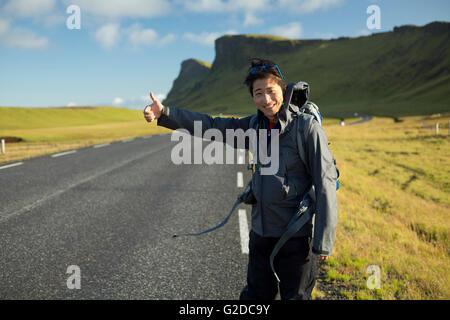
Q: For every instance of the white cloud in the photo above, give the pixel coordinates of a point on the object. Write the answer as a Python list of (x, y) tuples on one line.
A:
[(206, 38), (203, 5), (28, 8), (363, 32), (23, 38), (292, 30), (252, 20), (118, 101), (137, 102), (39, 11), (166, 39), (123, 9), (72, 104), (308, 6), (111, 34), (252, 6), (138, 36), (55, 19), (4, 26), (160, 96), (224, 5), (108, 35)]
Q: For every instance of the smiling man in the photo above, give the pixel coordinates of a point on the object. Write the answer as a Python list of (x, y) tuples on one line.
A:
[(276, 197), (268, 96)]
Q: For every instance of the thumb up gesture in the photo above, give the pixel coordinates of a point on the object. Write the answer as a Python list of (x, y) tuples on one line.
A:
[(153, 111)]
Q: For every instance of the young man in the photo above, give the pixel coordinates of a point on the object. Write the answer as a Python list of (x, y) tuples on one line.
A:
[(277, 196)]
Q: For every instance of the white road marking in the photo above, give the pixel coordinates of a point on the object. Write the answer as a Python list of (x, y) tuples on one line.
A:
[(63, 153), (11, 165), (128, 140), (241, 156), (147, 137), (101, 145), (243, 228), (240, 180)]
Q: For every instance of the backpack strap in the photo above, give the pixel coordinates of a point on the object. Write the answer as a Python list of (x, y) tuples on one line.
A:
[(304, 213), (310, 108), (300, 142), (253, 124)]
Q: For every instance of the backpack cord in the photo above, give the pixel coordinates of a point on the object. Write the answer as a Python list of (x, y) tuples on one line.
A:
[(239, 200)]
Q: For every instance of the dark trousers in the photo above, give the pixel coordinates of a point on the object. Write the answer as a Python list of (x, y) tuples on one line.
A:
[(294, 264)]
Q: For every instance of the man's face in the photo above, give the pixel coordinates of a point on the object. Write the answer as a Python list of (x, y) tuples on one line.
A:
[(268, 96)]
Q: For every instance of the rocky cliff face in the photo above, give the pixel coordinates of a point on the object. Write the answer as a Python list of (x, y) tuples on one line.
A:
[(193, 68), (192, 73), (235, 52)]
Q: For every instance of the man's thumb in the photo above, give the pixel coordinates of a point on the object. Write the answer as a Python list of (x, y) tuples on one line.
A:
[(154, 99)]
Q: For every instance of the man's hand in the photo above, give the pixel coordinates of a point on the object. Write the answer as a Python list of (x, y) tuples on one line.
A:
[(153, 111)]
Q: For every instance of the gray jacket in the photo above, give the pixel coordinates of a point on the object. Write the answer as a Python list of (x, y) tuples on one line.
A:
[(278, 195)]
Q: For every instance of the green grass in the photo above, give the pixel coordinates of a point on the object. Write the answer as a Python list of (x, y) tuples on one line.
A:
[(203, 63), (394, 205), (38, 118), (49, 130)]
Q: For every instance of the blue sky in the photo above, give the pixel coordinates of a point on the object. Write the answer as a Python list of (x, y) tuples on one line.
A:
[(124, 49)]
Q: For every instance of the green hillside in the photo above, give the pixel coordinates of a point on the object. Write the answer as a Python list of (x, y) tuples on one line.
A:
[(397, 73)]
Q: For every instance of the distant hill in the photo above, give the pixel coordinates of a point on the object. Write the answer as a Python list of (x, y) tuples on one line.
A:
[(396, 73)]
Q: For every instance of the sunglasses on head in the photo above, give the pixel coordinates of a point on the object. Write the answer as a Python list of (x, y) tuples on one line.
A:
[(255, 70)]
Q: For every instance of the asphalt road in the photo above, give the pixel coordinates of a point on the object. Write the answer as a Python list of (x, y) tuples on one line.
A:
[(364, 118), (112, 211)]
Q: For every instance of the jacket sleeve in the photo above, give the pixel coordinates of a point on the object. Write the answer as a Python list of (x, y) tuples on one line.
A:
[(177, 118), (324, 176)]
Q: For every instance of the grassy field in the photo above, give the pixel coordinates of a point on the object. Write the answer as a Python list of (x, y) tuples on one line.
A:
[(50, 130), (394, 201), (394, 209)]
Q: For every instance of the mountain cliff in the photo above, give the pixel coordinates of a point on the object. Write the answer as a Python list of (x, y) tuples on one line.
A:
[(401, 72), (189, 80)]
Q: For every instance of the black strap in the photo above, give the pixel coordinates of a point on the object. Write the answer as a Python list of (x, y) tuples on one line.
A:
[(304, 213), (239, 200)]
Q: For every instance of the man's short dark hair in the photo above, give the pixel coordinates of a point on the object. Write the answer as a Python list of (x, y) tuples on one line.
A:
[(262, 69)]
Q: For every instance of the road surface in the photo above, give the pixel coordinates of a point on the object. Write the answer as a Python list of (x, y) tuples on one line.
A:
[(111, 211)]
